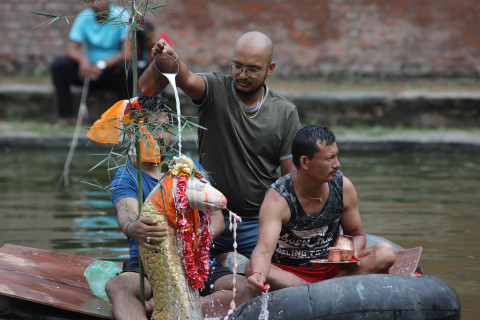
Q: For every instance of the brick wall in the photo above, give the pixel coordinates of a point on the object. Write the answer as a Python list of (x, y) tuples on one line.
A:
[(381, 38)]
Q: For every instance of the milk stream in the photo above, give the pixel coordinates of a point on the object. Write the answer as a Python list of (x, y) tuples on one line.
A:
[(171, 80), (233, 219)]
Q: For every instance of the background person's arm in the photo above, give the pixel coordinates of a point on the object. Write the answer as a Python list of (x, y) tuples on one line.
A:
[(85, 68), (123, 55)]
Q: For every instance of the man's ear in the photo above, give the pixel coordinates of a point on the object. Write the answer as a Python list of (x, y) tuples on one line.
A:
[(303, 161), (270, 68)]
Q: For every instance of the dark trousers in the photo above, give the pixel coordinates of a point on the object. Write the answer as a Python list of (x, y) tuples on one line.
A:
[(65, 73)]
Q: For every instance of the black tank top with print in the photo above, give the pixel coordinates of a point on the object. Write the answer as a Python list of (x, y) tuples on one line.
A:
[(307, 237)]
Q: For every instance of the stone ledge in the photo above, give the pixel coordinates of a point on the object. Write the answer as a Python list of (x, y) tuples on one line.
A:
[(405, 142), (409, 109)]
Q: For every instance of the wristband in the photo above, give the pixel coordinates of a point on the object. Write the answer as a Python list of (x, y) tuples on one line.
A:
[(126, 229)]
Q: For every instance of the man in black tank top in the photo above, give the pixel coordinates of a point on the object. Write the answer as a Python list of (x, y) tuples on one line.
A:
[(301, 216)]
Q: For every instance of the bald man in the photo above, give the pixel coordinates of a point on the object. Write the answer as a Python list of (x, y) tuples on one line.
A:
[(249, 130)]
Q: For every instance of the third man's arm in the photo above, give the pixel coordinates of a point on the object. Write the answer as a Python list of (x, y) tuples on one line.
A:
[(351, 221), (272, 215)]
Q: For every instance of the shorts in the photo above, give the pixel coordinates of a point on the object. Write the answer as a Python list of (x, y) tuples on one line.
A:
[(132, 264), (312, 274), (247, 237), (216, 272)]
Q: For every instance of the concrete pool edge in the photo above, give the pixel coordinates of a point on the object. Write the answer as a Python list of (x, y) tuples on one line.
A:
[(401, 142)]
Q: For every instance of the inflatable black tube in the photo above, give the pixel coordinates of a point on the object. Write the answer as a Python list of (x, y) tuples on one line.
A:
[(374, 296), (371, 240)]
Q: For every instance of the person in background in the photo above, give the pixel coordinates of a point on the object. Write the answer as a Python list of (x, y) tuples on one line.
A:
[(301, 217), (94, 50), (249, 130)]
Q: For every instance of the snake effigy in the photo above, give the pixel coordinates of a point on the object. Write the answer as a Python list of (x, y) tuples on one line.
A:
[(179, 267)]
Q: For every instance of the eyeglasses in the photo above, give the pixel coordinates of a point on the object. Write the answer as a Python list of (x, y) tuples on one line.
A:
[(251, 72)]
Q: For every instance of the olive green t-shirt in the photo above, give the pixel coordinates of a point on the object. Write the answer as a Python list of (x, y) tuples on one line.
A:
[(242, 155)]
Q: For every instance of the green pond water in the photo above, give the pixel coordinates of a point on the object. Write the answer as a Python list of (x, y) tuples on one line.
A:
[(422, 199)]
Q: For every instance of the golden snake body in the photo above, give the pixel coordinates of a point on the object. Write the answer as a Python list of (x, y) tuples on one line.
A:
[(173, 295)]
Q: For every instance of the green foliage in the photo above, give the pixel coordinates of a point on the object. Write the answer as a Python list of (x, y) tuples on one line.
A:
[(137, 10), (52, 17)]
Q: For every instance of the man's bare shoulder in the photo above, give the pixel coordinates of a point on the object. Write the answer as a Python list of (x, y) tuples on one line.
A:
[(275, 206), (347, 184)]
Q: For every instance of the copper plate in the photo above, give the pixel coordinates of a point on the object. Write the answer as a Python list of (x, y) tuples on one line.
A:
[(325, 262)]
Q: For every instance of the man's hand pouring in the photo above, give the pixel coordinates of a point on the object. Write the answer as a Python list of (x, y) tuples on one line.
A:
[(162, 47)]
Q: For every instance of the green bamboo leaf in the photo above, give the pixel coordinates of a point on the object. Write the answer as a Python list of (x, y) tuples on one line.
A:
[(56, 12), (98, 164), (116, 154), (197, 126), (155, 7), (115, 168), (96, 186), (41, 24), (53, 17), (45, 14)]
